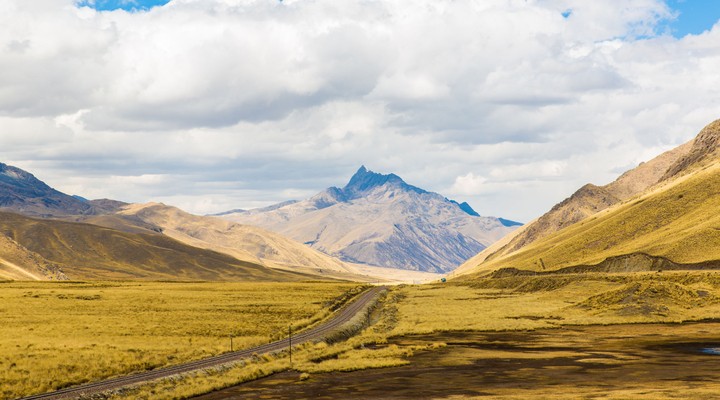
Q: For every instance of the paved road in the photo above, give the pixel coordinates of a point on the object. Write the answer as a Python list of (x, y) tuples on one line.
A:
[(317, 333)]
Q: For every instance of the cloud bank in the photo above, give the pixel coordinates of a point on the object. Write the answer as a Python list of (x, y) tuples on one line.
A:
[(217, 104)]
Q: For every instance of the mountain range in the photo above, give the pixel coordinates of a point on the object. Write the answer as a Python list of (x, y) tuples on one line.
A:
[(381, 220), (61, 249), (46, 234), (661, 215)]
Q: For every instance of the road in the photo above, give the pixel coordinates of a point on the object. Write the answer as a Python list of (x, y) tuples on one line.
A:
[(318, 332)]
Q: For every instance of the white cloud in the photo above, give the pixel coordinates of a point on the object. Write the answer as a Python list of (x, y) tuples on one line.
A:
[(468, 184), (529, 171), (243, 100)]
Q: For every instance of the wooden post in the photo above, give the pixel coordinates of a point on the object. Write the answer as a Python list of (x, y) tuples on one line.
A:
[(290, 343)]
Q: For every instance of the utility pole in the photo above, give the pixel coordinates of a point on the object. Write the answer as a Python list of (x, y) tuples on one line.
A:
[(290, 343)]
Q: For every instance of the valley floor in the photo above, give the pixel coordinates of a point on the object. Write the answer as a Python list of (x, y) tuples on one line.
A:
[(641, 361), (591, 335), (55, 335), (567, 336)]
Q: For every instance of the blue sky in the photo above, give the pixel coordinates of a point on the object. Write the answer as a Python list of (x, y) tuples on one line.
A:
[(129, 5), (694, 16)]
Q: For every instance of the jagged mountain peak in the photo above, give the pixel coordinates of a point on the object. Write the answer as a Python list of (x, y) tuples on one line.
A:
[(365, 180), (379, 219)]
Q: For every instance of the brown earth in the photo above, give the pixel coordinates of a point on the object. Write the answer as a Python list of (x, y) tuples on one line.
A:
[(644, 361)]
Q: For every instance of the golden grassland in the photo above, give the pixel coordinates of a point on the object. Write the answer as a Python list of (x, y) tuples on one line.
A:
[(413, 320), (678, 221), (619, 325), (534, 302), (414, 324), (343, 352), (54, 335), (406, 324)]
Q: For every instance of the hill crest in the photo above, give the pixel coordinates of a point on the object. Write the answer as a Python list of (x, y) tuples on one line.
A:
[(674, 218), (591, 199)]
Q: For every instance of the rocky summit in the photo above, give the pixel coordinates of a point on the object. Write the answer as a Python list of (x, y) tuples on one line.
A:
[(379, 219)]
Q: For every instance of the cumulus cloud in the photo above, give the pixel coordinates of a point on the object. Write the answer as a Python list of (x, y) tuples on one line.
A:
[(468, 184), (248, 102)]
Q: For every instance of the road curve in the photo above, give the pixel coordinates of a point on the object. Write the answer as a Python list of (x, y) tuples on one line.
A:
[(318, 332)]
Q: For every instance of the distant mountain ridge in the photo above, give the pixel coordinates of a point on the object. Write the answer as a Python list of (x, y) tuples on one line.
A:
[(85, 251), (46, 234), (379, 219), (22, 192), (243, 242)]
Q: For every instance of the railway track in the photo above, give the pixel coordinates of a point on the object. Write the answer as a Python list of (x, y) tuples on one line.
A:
[(318, 332)]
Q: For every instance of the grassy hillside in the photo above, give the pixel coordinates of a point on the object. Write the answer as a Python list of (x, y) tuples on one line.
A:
[(678, 221), (91, 252), (590, 199), (243, 242)]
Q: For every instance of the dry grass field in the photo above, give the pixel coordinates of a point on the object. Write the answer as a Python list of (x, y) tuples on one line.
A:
[(632, 335), (635, 361), (53, 335), (621, 336)]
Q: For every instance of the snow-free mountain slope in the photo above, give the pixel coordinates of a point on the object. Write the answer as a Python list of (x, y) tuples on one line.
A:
[(673, 224), (591, 199), (22, 192), (677, 224), (19, 263), (704, 148), (381, 220), (86, 251), (151, 229), (241, 241), (114, 247)]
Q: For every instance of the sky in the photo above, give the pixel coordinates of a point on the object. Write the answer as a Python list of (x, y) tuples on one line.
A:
[(211, 105)]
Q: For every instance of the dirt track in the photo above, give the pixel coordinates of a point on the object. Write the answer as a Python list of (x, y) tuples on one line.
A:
[(316, 333)]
